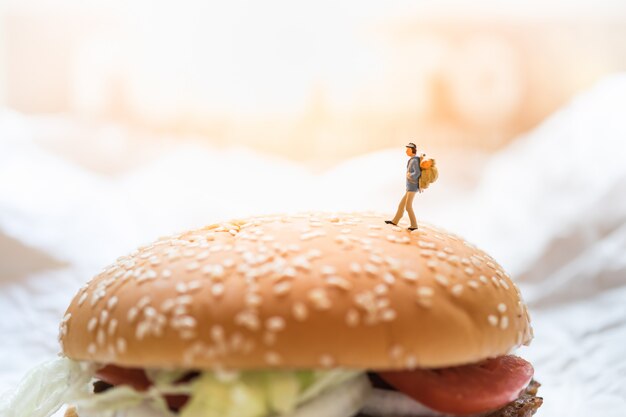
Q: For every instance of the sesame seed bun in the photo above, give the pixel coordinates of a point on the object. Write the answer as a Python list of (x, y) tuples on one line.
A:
[(303, 290)]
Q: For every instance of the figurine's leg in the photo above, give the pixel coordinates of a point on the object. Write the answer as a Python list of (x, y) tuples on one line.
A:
[(400, 211), (409, 207)]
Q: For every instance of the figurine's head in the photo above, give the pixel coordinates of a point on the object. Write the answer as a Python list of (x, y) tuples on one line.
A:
[(411, 149)]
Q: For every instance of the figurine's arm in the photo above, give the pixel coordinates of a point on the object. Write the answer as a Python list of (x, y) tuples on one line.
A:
[(414, 171)]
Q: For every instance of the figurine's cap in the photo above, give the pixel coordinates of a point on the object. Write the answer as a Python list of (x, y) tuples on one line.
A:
[(412, 146)]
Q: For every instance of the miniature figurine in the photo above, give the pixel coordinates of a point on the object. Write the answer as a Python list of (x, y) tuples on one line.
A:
[(413, 173)]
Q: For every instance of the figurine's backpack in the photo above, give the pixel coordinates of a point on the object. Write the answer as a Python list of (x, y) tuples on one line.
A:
[(429, 173)]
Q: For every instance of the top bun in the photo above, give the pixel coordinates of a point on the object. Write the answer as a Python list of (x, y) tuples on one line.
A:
[(304, 290)]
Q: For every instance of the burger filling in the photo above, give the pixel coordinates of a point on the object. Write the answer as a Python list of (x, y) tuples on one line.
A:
[(500, 386)]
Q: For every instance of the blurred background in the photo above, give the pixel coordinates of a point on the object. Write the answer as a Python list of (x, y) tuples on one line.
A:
[(313, 82), (121, 121)]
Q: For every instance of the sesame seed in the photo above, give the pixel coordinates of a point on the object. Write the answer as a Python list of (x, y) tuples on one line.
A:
[(143, 301), (248, 319), (493, 320), (166, 273), (483, 279), (501, 307), (425, 291), (376, 259), (504, 284), (184, 299), (453, 259), (339, 282), (132, 314), (301, 261), (370, 268), (272, 358), (104, 316), (217, 289), (217, 333), (425, 302), (112, 302), (410, 362), (380, 289), (289, 272), (300, 311), (441, 279), (91, 325), (181, 287), (185, 321), (504, 322), (403, 239), (355, 268), (352, 317), (328, 270), (150, 312), (319, 298), (91, 349), (395, 351), (389, 278), (100, 338), (112, 326), (275, 324), (121, 345), (282, 288), (253, 299), (469, 270), (409, 275), (432, 264), (82, 298), (327, 361), (388, 315), (472, 284), (194, 285), (457, 289)]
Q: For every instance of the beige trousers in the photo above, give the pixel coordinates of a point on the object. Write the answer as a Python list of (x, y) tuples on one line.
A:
[(406, 203)]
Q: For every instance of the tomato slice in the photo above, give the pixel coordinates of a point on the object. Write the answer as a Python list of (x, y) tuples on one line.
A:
[(116, 375), (466, 389), (136, 378)]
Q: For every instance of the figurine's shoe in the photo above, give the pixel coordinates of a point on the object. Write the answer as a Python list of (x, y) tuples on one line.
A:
[(390, 222), (411, 228)]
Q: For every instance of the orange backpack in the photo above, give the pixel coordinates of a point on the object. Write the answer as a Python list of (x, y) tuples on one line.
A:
[(429, 173)]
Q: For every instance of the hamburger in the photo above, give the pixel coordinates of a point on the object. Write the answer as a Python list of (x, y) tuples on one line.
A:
[(303, 314)]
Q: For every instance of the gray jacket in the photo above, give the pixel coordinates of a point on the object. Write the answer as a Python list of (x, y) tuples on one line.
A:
[(413, 170)]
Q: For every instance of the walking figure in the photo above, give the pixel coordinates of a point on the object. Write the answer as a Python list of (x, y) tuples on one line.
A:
[(413, 172)]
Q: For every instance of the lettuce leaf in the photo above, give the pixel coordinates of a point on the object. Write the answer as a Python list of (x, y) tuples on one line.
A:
[(45, 388), (260, 393)]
